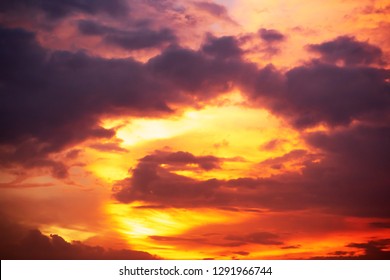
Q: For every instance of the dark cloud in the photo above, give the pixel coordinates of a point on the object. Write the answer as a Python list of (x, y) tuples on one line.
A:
[(181, 159), (152, 183), (212, 8), (377, 249), (140, 38), (222, 47), (290, 247), (325, 94), (380, 225), (373, 249), (349, 51), (266, 82), (241, 253), (201, 74), (354, 171), (73, 154), (369, 150), (322, 93), (57, 9), (215, 10), (271, 35), (56, 101), (341, 253), (263, 238), (36, 246), (177, 239), (92, 28)]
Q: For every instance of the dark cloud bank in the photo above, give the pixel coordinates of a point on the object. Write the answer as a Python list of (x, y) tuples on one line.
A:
[(378, 249), (19, 243), (58, 9)]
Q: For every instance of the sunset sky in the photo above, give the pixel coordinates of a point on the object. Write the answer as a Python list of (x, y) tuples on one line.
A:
[(225, 129)]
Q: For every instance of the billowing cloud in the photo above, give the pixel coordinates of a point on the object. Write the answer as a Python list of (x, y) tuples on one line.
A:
[(200, 74), (57, 100), (215, 10), (327, 94), (59, 9), (271, 35), (224, 47), (376, 249), (128, 39), (152, 183), (37, 246), (349, 51)]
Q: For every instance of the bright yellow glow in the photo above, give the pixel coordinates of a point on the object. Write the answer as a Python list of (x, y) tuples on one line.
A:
[(110, 167), (138, 224), (225, 129)]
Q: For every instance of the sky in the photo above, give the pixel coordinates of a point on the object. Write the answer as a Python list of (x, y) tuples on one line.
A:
[(194, 129)]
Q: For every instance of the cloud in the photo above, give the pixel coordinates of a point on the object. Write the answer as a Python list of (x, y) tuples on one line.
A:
[(56, 101), (241, 253), (177, 239), (325, 94), (37, 246), (215, 10), (57, 9), (354, 170), (181, 159), (263, 238), (377, 249), (349, 51), (271, 35), (222, 47), (198, 74), (290, 247), (135, 39), (152, 183), (155, 182)]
